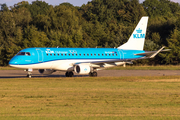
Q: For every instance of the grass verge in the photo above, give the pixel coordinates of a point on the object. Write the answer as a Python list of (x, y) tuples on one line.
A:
[(146, 67), (9, 68), (91, 98)]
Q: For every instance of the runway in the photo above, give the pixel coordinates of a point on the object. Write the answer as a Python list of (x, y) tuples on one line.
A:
[(102, 73)]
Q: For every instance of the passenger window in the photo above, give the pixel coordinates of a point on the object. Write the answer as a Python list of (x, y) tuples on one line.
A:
[(62, 54), (69, 54), (79, 54), (106, 54), (51, 54), (94, 54), (84, 54), (65, 54), (47, 54), (58, 54), (98, 54), (72, 54), (54, 54), (109, 54), (91, 54), (102, 54), (87, 54), (116, 54), (113, 54), (76, 54)]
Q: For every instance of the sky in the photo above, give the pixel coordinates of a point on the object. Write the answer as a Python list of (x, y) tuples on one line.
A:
[(56, 2)]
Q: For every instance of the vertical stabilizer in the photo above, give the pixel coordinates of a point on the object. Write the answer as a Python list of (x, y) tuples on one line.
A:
[(136, 41)]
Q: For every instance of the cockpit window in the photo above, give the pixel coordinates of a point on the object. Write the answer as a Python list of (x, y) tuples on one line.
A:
[(24, 53), (21, 53), (28, 53)]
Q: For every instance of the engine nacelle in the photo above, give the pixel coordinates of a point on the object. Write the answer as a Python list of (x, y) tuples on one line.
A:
[(46, 71), (82, 69)]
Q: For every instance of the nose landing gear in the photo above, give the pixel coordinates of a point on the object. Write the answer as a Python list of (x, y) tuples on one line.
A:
[(29, 72), (29, 75)]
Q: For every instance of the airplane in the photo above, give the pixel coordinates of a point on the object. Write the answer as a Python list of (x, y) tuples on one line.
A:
[(84, 60)]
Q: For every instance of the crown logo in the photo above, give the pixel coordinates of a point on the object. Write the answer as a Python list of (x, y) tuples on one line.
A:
[(139, 30)]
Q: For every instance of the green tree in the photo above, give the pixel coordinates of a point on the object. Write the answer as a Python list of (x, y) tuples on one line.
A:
[(38, 8), (11, 32), (34, 38), (4, 7), (7, 41), (173, 57), (69, 23)]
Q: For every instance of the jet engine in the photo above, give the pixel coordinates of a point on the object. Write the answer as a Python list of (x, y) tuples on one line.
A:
[(46, 71), (82, 69)]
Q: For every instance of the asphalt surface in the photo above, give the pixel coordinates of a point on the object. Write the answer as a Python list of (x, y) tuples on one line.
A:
[(102, 73)]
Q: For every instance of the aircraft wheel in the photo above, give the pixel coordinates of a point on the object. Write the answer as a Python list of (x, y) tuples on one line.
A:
[(90, 74), (94, 74), (71, 74), (67, 74), (29, 76)]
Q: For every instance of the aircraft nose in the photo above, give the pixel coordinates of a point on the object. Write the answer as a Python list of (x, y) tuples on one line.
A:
[(13, 61)]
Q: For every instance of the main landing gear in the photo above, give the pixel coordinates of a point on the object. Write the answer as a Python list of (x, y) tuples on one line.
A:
[(69, 74), (93, 74)]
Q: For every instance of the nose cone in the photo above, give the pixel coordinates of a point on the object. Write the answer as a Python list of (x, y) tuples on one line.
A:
[(13, 61)]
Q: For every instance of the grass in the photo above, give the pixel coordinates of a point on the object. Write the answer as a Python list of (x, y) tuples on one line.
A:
[(147, 67), (90, 98), (8, 68)]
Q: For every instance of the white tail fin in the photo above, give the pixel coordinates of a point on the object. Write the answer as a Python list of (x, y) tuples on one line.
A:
[(136, 41)]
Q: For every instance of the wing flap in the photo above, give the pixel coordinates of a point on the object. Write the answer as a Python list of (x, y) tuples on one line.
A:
[(106, 64)]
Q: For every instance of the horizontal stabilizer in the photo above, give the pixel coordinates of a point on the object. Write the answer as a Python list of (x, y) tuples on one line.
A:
[(151, 54)]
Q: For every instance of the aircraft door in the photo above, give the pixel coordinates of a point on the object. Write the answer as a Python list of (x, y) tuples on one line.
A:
[(121, 55), (40, 55)]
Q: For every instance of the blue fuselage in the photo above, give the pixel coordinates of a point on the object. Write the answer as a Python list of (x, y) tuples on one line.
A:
[(44, 55)]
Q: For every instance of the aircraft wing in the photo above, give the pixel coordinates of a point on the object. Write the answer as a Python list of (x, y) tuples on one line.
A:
[(104, 64), (152, 54)]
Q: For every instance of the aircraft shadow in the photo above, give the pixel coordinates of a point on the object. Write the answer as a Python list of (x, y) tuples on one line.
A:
[(41, 76)]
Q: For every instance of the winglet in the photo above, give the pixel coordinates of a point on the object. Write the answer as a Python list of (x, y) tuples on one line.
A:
[(153, 55)]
